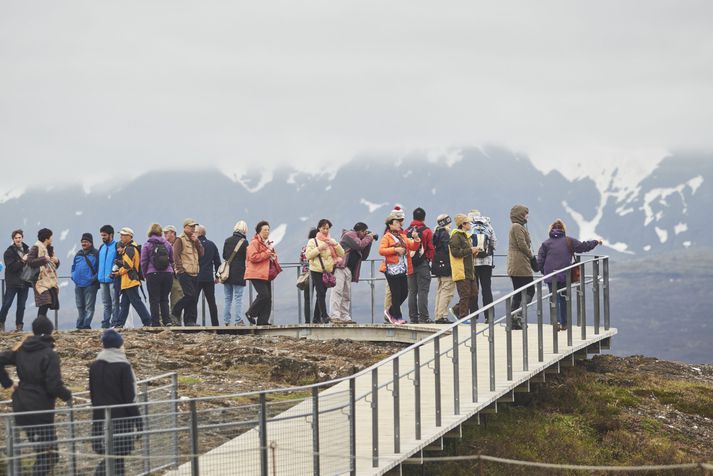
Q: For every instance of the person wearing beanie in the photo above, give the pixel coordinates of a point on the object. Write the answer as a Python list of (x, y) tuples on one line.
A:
[(42, 258), (520, 256), (39, 371), (419, 282), (441, 268), (395, 247), (483, 235), (462, 269), (112, 382), (234, 254), (85, 269)]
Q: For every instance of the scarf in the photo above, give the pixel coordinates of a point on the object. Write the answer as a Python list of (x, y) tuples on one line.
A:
[(324, 237), (117, 356)]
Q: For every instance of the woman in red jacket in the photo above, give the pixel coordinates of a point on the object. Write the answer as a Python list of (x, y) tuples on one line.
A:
[(395, 247), (260, 254)]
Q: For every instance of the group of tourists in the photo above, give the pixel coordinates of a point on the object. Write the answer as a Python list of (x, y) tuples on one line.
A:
[(178, 268)]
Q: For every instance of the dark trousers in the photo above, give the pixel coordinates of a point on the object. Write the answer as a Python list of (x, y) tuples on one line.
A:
[(320, 305), (42, 310), (208, 289), (398, 285), (483, 277), (131, 297), (188, 304), (419, 284), (44, 440), (262, 305), (467, 290), (7, 299), (307, 297), (159, 288), (518, 282)]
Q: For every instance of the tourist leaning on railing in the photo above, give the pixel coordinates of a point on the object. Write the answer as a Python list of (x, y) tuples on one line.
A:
[(519, 259), (40, 385), (15, 258), (555, 253)]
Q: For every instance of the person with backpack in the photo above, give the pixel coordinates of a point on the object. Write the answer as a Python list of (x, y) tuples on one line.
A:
[(462, 268), (555, 253), (112, 383), (84, 276), (395, 247), (520, 258), (483, 236), (419, 282), (208, 264), (157, 263), (323, 253), (127, 266), (234, 253), (110, 287), (40, 385), (187, 250), (41, 258), (441, 267), (15, 258)]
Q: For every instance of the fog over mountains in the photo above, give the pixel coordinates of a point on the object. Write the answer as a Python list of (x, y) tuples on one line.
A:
[(666, 213)]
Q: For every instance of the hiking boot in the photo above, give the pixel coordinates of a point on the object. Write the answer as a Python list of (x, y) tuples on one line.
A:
[(251, 319), (425, 320), (18, 327)]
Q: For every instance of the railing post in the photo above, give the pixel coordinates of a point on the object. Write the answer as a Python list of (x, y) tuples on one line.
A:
[(10, 441), (146, 437), (375, 418), (491, 347), (508, 336), (203, 309), (456, 375), (299, 298), (315, 431), (555, 312), (583, 300), (352, 427), (525, 350), (540, 337), (474, 358), (606, 293), (174, 416), (397, 408), (262, 429), (194, 438), (56, 319), (570, 317), (437, 376), (108, 443), (417, 389), (595, 294), (72, 437), (371, 287)]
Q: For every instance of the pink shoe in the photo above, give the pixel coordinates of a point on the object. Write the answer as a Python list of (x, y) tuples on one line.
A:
[(388, 319)]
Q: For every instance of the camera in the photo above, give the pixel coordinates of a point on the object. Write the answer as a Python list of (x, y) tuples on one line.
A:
[(375, 236), (118, 264)]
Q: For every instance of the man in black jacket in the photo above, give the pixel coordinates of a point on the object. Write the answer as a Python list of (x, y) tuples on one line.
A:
[(209, 264), (111, 382), (15, 258), (40, 384)]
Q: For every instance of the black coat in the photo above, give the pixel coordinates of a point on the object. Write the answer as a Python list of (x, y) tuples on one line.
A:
[(14, 266), (209, 262), (38, 370), (237, 266), (441, 265), (113, 384)]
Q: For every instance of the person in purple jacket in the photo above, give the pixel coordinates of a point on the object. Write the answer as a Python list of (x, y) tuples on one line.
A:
[(557, 252), (157, 266)]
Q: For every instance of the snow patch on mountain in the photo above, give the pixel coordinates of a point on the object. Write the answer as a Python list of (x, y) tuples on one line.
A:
[(450, 156), (371, 205), (680, 228), (63, 234), (266, 176), (278, 233), (660, 195), (662, 234), (79, 213), (11, 194), (73, 251), (588, 228)]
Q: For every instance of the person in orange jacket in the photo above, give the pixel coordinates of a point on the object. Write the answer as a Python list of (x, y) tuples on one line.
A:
[(395, 247), (260, 254)]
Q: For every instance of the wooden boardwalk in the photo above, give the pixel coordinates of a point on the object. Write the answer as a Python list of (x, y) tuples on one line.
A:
[(290, 433)]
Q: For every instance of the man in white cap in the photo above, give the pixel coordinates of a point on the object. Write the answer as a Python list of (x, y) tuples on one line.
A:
[(187, 251), (169, 232)]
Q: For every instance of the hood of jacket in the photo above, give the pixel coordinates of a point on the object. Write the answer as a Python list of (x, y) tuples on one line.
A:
[(157, 239), (37, 343), (481, 219), (556, 233), (518, 213)]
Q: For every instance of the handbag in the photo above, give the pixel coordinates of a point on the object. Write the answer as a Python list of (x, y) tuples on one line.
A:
[(30, 275), (328, 279), (397, 269), (274, 270), (224, 268), (576, 275), (302, 280)]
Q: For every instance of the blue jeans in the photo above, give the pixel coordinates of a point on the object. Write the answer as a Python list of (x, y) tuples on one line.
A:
[(10, 294), (131, 296), (561, 303), (233, 296), (85, 298), (110, 300)]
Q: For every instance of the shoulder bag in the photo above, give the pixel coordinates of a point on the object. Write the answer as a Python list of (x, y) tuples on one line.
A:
[(224, 268)]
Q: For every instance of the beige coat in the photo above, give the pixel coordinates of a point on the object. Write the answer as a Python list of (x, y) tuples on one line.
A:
[(313, 253), (38, 257), (186, 255), (519, 245)]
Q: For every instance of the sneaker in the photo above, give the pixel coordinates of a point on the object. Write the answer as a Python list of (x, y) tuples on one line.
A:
[(444, 320), (239, 323), (516, 325), (425, 320), (388, 318), (251, 319), (400, 322)]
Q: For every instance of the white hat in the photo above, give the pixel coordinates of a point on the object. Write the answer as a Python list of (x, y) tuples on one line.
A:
[(126, 231)]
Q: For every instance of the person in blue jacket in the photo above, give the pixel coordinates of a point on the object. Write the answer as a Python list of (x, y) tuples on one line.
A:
[(84, 275), (110, 286)]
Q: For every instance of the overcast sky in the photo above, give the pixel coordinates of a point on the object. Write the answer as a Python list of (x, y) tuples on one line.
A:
[(88, 89)]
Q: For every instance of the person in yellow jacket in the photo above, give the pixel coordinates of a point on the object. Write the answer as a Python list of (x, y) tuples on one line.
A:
[(323, 253), (127, 266)]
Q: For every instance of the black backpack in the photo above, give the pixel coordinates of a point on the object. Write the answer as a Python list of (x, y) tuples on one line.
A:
[(131, 255), (417, 257), (159, 257)]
